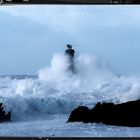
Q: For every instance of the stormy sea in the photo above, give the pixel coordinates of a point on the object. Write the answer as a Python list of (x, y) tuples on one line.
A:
[(40, 104)]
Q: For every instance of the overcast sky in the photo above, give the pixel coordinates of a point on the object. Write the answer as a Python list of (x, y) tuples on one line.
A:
[(31, 34)]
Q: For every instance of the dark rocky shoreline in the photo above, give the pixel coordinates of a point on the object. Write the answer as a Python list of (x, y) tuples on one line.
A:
[(4, 117), (125, 114)]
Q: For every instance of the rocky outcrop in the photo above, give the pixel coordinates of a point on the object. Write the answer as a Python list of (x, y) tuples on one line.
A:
[(4, 117), (125, 114)]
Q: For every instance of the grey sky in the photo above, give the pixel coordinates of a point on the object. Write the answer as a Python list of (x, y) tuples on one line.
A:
[(30, 35)]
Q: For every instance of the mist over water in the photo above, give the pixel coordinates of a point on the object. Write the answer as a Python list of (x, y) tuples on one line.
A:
[(57, 91), (89, 73)]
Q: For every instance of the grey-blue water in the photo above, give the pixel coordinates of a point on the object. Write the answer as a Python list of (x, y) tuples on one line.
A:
[(42, 103)]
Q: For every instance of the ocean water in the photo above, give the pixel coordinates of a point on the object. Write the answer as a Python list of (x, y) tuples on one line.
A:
[(42, 103)]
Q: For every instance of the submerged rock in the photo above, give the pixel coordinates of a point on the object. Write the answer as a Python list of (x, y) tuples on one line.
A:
[(125, 114), (4, 117)]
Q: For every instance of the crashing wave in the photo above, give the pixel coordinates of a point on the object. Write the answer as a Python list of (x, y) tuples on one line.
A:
[(57, 91)]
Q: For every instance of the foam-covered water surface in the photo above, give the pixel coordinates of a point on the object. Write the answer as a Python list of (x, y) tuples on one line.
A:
[(56, 126), (55, 91)]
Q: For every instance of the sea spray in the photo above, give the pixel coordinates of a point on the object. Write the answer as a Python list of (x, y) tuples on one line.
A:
[(89, 73), (56, 91)]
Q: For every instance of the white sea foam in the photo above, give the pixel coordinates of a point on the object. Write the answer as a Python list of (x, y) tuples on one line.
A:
[(57, 91)]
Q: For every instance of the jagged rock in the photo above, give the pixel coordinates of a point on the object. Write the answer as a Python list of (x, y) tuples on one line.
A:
[(4, 117), (125, 114)]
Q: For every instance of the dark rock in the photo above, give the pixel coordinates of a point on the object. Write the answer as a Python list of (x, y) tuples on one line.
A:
[(4, 117), (80, 114), (125, 114)]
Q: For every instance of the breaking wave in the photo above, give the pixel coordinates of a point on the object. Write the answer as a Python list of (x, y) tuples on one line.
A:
[(56, 91)]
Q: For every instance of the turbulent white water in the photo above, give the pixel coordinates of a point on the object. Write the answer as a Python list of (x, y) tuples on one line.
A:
[(56, 92)]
